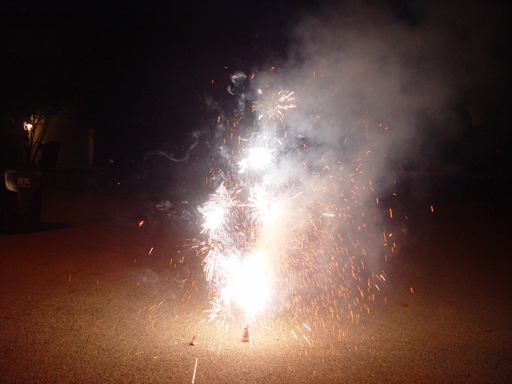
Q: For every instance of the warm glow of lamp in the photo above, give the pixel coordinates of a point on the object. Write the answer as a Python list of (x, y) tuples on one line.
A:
[(27, 126)]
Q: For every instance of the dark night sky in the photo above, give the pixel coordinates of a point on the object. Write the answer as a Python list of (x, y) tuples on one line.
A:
[(141, 68)]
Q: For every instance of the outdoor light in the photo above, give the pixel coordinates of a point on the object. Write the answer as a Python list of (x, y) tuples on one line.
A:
[(27, 126)]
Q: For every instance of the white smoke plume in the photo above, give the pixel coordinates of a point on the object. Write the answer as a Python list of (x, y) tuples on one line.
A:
[(407, 72)]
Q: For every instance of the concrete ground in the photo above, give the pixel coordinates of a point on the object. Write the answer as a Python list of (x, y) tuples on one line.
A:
[(96, 297)]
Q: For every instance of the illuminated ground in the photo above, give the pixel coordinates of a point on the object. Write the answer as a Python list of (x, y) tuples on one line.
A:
[(84, 301)]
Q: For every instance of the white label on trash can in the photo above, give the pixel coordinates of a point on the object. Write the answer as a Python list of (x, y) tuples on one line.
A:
[(23, 182)]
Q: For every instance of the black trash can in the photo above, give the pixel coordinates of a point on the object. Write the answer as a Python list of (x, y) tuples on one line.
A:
[(28, 185)]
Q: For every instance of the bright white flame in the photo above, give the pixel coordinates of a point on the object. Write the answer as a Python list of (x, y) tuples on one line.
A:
[(249, 286), (258, 159)]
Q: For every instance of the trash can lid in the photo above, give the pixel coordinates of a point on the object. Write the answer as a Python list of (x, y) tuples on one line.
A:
[(16, 180)]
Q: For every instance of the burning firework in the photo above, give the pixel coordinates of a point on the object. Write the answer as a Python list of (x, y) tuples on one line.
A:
[(290, 227)]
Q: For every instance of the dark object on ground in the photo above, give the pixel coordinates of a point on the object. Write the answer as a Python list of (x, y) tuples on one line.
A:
[(25, 216)]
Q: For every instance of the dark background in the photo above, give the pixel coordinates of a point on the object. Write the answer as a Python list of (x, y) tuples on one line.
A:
[(139, 70)]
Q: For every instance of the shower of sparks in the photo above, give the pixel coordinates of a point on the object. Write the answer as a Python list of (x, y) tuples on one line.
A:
[(260, 203), (215, 211), (290, 232), (272, 106)]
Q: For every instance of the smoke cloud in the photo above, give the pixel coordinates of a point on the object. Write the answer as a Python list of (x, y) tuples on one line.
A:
[(299, 177), (364, 60)]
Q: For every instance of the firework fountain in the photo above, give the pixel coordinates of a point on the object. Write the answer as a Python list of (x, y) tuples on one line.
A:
[(292, 230)]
